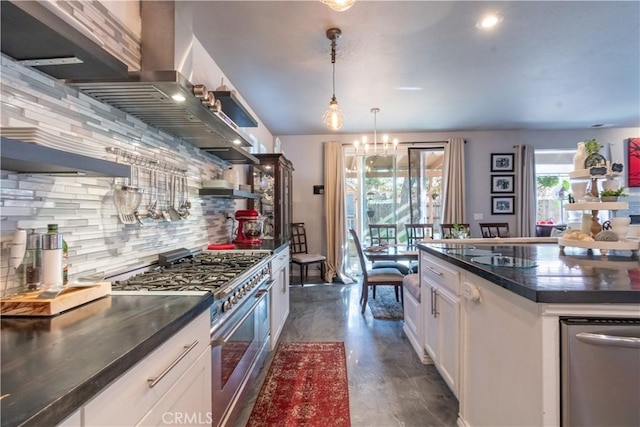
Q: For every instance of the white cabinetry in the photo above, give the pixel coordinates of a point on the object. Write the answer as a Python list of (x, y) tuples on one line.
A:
[(441, 300), (172, 379), (279, 296)]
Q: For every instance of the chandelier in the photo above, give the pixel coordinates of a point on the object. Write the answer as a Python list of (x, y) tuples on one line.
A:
[(333, 117), (385, 146), (338, 5)]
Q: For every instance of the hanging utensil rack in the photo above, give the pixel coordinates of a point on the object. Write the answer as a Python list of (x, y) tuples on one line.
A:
[(135, 159)]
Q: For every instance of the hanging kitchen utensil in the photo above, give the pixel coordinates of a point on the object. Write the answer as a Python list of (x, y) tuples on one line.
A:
[(184, 212), (126, 199), (152, 211), (137, 215), (165, 209), (187, 203), (172, 210)]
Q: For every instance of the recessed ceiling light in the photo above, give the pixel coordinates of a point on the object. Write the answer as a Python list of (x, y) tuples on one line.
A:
[(409, 88), (237, 142), (489, 21), (178, 97)]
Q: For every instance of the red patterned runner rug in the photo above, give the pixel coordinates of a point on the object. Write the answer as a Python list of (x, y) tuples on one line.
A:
[(306, 386)]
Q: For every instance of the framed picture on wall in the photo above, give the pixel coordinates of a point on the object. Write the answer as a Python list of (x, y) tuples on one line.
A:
[(501, 162), (502, 183), (502, 205), (633, 165)]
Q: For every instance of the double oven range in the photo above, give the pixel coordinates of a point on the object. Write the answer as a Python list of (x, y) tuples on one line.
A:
[(240, 318)]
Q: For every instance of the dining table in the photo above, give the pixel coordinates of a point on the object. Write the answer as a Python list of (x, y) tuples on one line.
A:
[(391, 253)]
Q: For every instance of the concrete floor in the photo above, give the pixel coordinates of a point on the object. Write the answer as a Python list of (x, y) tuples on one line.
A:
[(388, 385)]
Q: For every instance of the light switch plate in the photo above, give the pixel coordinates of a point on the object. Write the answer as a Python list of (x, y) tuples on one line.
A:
[(478, 216)]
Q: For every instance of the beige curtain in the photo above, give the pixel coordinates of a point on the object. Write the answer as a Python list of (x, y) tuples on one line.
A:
[(525, 191), (334, 208), (453, 208)]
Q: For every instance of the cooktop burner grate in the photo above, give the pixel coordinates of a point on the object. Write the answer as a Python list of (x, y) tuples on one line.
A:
[(206, 271)]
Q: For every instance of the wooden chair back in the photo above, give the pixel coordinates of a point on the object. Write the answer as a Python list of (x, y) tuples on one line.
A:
[(298, 238), (494, 229), (417, 233), (383, 234)]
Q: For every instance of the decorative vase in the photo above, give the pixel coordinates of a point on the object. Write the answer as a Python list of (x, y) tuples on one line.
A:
[(610, 184), (608, 198), (579, 157), (620, 226), (579, 189)]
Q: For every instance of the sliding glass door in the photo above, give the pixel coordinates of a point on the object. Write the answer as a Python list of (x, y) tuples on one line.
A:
[(398, 187)]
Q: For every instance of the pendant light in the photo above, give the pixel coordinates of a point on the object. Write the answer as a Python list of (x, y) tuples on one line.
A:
[(338, 5), (333, 117)]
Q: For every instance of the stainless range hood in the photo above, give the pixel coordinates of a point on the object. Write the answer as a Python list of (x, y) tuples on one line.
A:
[(151, 97)]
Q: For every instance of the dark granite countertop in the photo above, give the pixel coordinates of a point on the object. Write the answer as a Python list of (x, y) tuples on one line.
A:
[(573, 277), (273, 245), (51, 366)]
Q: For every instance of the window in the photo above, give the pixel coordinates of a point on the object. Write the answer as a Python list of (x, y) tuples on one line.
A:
[(552, 184)]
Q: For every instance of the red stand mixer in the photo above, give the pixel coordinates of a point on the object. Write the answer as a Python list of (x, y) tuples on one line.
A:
[(249, 226)]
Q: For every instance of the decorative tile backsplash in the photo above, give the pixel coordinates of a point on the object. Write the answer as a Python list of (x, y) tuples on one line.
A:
[(84, 208)]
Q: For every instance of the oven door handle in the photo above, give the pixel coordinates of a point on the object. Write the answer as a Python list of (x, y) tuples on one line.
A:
[(260, 295), (608, 340)]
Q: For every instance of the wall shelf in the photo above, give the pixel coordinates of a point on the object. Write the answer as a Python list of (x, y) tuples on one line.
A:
[(232, 107), (228, 193), (26, 157)]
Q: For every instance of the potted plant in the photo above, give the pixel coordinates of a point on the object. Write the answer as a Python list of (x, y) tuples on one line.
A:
[(592, 146), (612, 195), (459, 231)]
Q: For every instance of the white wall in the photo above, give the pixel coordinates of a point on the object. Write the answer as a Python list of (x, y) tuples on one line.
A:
[(307, 154)]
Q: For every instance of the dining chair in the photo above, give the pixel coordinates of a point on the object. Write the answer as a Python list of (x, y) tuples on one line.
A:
[(384, 235), (494, 229), (376, 276), (417, 233), (447, 229), (299, 252)]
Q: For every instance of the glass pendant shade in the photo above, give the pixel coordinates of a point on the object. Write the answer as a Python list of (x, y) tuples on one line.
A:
[(338, 5), (333, 117)]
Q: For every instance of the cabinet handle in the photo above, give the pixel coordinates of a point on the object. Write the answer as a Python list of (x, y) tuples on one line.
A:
[(432, 302), (155, 380), (436, 272), (435, 303)]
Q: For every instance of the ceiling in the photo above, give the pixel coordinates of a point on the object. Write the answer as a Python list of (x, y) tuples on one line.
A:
[(548, 65)]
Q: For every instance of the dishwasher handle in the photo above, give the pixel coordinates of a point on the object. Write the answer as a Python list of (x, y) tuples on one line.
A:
[(608, 340)]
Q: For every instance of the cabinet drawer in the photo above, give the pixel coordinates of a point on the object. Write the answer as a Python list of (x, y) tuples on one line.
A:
[(438, 273), (279, 260), (127, 400)]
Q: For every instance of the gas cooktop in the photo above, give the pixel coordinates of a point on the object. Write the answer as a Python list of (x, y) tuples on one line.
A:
[(205, 271)]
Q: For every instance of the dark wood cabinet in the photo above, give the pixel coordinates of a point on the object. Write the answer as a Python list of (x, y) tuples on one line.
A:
[(272, 180)]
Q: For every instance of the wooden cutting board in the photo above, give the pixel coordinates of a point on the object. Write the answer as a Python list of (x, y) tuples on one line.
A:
[(28, 304)]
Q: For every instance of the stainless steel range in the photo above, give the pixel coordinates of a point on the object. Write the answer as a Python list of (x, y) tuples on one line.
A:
[(240, 318)]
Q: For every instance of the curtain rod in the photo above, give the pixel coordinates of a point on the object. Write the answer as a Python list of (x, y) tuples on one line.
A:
[(344, 144)]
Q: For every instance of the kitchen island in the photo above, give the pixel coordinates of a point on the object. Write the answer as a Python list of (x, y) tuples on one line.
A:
[(493, 332), (51, 367)]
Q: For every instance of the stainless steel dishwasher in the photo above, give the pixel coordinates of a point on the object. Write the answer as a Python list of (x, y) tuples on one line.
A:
[(600, 372)]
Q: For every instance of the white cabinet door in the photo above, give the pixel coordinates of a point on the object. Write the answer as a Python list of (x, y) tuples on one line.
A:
[(430, 322), (188, 401), (447, 309), (279, 294)]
